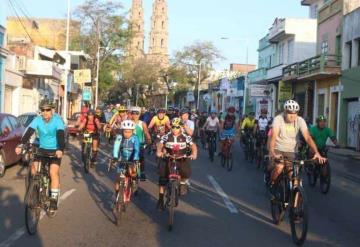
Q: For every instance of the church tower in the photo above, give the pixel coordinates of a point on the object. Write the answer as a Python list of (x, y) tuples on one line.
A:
[(136, 48), (158, 43)]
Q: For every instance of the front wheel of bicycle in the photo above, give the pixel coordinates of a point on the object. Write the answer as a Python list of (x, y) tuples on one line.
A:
[(211, 151), (229, 162), (325, 181), (172, 205), (312, 176), (298, 216), (32, 208), (119, 205)]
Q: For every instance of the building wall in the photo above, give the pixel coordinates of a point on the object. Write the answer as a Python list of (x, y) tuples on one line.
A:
[(49, 33), (327, 32), (242, 68), (350, 5)]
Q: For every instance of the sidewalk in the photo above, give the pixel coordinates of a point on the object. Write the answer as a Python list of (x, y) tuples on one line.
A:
[(345, 153)]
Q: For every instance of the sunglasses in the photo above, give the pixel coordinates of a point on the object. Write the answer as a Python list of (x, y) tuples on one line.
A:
[(48, 109), (176, 127), (135, 113), (122, 111)]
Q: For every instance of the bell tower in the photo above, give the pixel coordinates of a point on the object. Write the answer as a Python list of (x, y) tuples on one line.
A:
[(136, 48), (158, 43)]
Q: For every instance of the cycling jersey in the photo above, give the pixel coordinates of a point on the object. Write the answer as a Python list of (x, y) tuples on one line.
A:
[(229, 122), (176, 145), (248, 123), (47, 131), (160, 122), (126, 149), (91, 126), (139, 131), (212, 123), (262, 123), (321, 135)]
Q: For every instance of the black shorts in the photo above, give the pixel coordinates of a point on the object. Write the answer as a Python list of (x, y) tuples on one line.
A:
[(55, 161), (184, 171)]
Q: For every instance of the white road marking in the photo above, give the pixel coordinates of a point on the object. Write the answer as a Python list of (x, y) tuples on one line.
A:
[(221, 192), (21, 231)]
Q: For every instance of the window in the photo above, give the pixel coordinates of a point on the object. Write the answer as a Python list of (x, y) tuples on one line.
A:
[(281, 53), (163, 24), (358, 52), (314, 11), (324, 47), (1, 39), (5, 126), (290, 55), (162, 43), (348, 47), (14, 122)]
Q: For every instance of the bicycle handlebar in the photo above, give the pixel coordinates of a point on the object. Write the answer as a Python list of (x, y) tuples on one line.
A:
[(176, 157), (298, 162)]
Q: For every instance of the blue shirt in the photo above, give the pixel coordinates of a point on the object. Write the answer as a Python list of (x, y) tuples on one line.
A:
[(126, 149), (46, 131)]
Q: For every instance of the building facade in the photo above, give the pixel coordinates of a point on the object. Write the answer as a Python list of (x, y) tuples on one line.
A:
[(3, 55), (136, 49)]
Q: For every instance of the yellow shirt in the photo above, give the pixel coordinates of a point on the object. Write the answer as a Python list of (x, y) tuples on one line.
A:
[(160, 122), (248, 124)]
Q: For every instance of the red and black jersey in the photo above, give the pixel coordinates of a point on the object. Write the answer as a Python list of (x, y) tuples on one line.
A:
[(176, 145)]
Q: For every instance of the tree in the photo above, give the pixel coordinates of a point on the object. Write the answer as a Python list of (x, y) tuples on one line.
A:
[(102, 26)]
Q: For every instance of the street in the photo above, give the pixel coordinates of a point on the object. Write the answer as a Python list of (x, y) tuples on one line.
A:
[(222, 208)]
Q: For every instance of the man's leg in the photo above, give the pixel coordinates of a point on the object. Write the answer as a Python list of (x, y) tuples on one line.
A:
[(54, 187), (142, 163), (95, 149), (162, 184)]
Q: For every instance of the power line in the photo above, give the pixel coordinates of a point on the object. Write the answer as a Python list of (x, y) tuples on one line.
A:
[(19, 19)]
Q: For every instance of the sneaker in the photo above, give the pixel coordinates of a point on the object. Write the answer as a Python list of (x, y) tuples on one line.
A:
[(143, 176), (52, 208), (160, 205), (183, 189)]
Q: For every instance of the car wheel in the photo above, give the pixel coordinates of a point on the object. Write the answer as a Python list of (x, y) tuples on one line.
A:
[(2, 166)]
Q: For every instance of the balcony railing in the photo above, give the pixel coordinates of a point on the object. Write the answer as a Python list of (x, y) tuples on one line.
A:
[(311, 67), (43, 68), (257, 75)]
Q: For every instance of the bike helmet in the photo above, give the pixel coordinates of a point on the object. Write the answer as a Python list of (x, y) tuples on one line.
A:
[(91, 112), (127, 125), (213, 111), (321, 118), (161, 110), (184, 110), (231, 109), (251, 114), (176, 122), (46, 103), (135, 109), (121, 108), (291, 106)]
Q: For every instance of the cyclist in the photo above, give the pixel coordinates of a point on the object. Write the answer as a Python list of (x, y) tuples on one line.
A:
[(211, 126), (92, 125), (188, 125), (176, 143), (142, 132), (228, 125), (201, 123), (118, 117), (285, 134), (82, 116), (248, 127), (50, 131), (126, 147), (159, 120), (261, 128)]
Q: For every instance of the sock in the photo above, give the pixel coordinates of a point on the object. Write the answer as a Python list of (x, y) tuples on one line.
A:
[(55, 194), (161, 197)]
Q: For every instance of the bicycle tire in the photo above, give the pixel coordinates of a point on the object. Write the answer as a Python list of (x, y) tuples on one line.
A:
[(172, 205), (312, 177), (230, 162), (300, 213), (88, 158), (211, 151), (119, 205), (32, 208), (222, 160), (325, 181)]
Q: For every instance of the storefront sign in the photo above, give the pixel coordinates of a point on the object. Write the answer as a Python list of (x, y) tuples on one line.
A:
[(259, 90), (87, 93), (285, 91), (82, 76)]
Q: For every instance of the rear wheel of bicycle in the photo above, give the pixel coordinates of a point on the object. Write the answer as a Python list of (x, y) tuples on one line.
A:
[(251, 152), (222, 160), (277, 211), (312, 176), (119, 205), (32, 208), (325, 181), (172, 204), (298, 216), (229, 162), (211, 151)]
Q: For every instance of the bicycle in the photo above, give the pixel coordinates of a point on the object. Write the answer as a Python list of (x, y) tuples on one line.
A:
[(249, 147), (323, 172), (27, 156), (37, 197), (108, 134), (203, 138), (226, 153), (172, 190), (86, 151), (261, 150), (289, 192), (211, 136), (128, 186)]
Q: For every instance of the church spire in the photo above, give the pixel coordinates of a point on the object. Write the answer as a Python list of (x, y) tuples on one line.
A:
[(136, 48), (158, 43)]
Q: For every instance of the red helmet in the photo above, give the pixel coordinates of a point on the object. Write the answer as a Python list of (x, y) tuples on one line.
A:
[(231, 109)]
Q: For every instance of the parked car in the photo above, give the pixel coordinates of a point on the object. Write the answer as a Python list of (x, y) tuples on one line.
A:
[(11, 132), (71, 128), (26, 118)]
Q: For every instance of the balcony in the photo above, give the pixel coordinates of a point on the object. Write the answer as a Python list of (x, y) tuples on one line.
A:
[(318, 67), (275, 72), (330, 9), (307, 2), (257, 75), (43, 68)]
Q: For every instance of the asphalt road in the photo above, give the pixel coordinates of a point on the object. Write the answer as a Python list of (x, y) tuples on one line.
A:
[(222, 208)]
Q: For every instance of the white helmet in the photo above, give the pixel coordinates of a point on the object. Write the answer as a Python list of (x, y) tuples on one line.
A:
[(127, 125), (135, 108), (291, 106)]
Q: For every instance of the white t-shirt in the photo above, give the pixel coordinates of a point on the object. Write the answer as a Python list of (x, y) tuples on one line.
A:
[(212, 123), (190, 124), (262, 123)]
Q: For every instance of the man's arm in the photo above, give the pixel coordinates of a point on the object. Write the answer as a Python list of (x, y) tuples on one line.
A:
[(27, 135), (194, 151), (275, 133), (60, 137), (146, 132), (152, 123), (136, 148), (310, 141)]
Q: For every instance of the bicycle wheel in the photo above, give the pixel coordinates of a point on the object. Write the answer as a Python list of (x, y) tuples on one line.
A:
[(298, 215), (119, 205), (211, 151), (258, 158), (312, 176), (222, 160), (325, 181), (277, 206), (32, 207), (251, 152), (229, 162), (88, 158), (172, 205)]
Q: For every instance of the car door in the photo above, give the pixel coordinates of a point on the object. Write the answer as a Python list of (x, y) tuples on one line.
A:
[(18, 130), (7, 139)]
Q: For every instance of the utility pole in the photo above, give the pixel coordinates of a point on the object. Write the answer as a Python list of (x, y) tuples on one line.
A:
[(65, 113), (97, 66), (198, 91)]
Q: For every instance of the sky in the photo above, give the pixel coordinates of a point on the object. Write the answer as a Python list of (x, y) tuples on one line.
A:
[(242, 22)]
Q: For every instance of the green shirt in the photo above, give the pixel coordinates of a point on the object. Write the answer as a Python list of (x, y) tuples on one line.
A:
[(320, 136), (139, 131)]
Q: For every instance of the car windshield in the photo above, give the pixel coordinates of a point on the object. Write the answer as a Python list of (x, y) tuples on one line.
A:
[(25, 120)]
